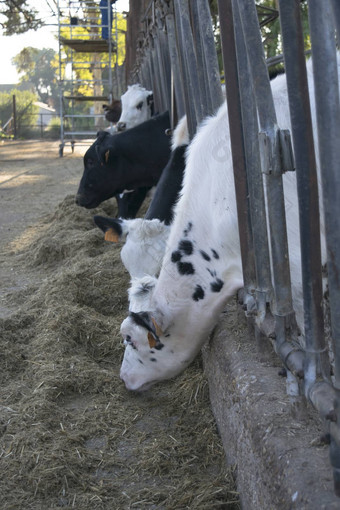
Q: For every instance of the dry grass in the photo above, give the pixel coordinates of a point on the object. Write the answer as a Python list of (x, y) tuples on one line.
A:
[(71, 436)]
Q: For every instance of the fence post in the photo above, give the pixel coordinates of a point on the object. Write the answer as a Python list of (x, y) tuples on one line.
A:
[(264, 289), (14, 116), (285, 322), (236, 138), (328, 123)]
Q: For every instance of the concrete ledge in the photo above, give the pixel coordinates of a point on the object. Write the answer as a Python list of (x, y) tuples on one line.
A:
[(281, 464)]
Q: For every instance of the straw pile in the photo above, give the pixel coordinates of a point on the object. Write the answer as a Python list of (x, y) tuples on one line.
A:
[(71, 435)]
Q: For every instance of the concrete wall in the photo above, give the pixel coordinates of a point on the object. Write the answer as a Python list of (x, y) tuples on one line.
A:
[(275, 443)]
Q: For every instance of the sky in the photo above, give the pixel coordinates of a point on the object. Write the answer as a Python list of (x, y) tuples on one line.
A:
[(45, 37)]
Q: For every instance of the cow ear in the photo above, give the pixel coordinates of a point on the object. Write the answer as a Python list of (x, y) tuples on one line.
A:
[(145, 320), (112, 228)]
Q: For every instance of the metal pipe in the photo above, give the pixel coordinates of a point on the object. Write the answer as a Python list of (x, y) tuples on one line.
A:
[(209, 50), (203, 77), (254, 175), (336, 15), (175, 65), (187, 47), (236, 138), (272, 167), (307, 185), (189, 105), (328, 122)]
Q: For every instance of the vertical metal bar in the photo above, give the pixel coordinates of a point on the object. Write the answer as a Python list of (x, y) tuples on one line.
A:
[(61, 104), (254, 175), (165, 62), (336, 14), (210, 55), (161, 74), (271, 165), (307, 184), (14, 106), (188, 94), (203, 79), (328, 121), (236, 138), (175, 65), (183, 21), (156, 81)]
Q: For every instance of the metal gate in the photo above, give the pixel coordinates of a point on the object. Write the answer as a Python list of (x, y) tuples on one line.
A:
[(177, 59)]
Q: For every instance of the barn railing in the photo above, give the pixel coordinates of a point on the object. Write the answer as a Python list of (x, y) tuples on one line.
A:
[(177, 59)]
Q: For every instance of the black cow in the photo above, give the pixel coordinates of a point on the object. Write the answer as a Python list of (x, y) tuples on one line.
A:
[(164, 199), (168, 188), (130, 161)]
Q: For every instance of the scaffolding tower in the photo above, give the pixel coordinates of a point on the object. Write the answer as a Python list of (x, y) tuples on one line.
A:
[(88, 40)]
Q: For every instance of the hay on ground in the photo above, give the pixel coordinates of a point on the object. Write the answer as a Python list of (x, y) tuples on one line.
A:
[(71, 435)]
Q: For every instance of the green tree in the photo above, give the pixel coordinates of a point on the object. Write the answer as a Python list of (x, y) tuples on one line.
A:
[(271, 32), (17, 17), (39, 67), (26, 110)]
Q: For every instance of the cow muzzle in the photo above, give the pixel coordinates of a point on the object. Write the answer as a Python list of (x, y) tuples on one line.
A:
[(83, 201)]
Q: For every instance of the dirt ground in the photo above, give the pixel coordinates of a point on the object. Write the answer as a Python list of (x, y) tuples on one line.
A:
[(71, 435)]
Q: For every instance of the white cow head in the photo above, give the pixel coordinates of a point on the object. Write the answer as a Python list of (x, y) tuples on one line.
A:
[(170, 318), (137, 107), (151, 355), (145, 241)]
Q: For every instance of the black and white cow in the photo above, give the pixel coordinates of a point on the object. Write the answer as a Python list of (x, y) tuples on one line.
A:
[(137, 107), (129, 161), (113, 111), (170, 318), (145, 238)]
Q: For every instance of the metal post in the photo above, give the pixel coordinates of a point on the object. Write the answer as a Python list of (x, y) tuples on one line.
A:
[(256, 192), (307, 185), (201, 7), (203, 78), (186, 45), (285, 324), (328, 121), (336, 14), (236, 138), (175, 65), (188, 93), (14, 105)]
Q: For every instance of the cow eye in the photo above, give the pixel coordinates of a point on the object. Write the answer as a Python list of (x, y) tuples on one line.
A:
[(140, 105)]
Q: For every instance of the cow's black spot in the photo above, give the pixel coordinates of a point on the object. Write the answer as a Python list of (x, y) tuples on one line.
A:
[(215, 254), (166, 336), (211, 272), (152, 352), (159, 346), (176, 256), (185, 268), (205, 255), (140, 361), (188, 229), (153, 359), (198, 294), (186, 247), (217, 285)]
